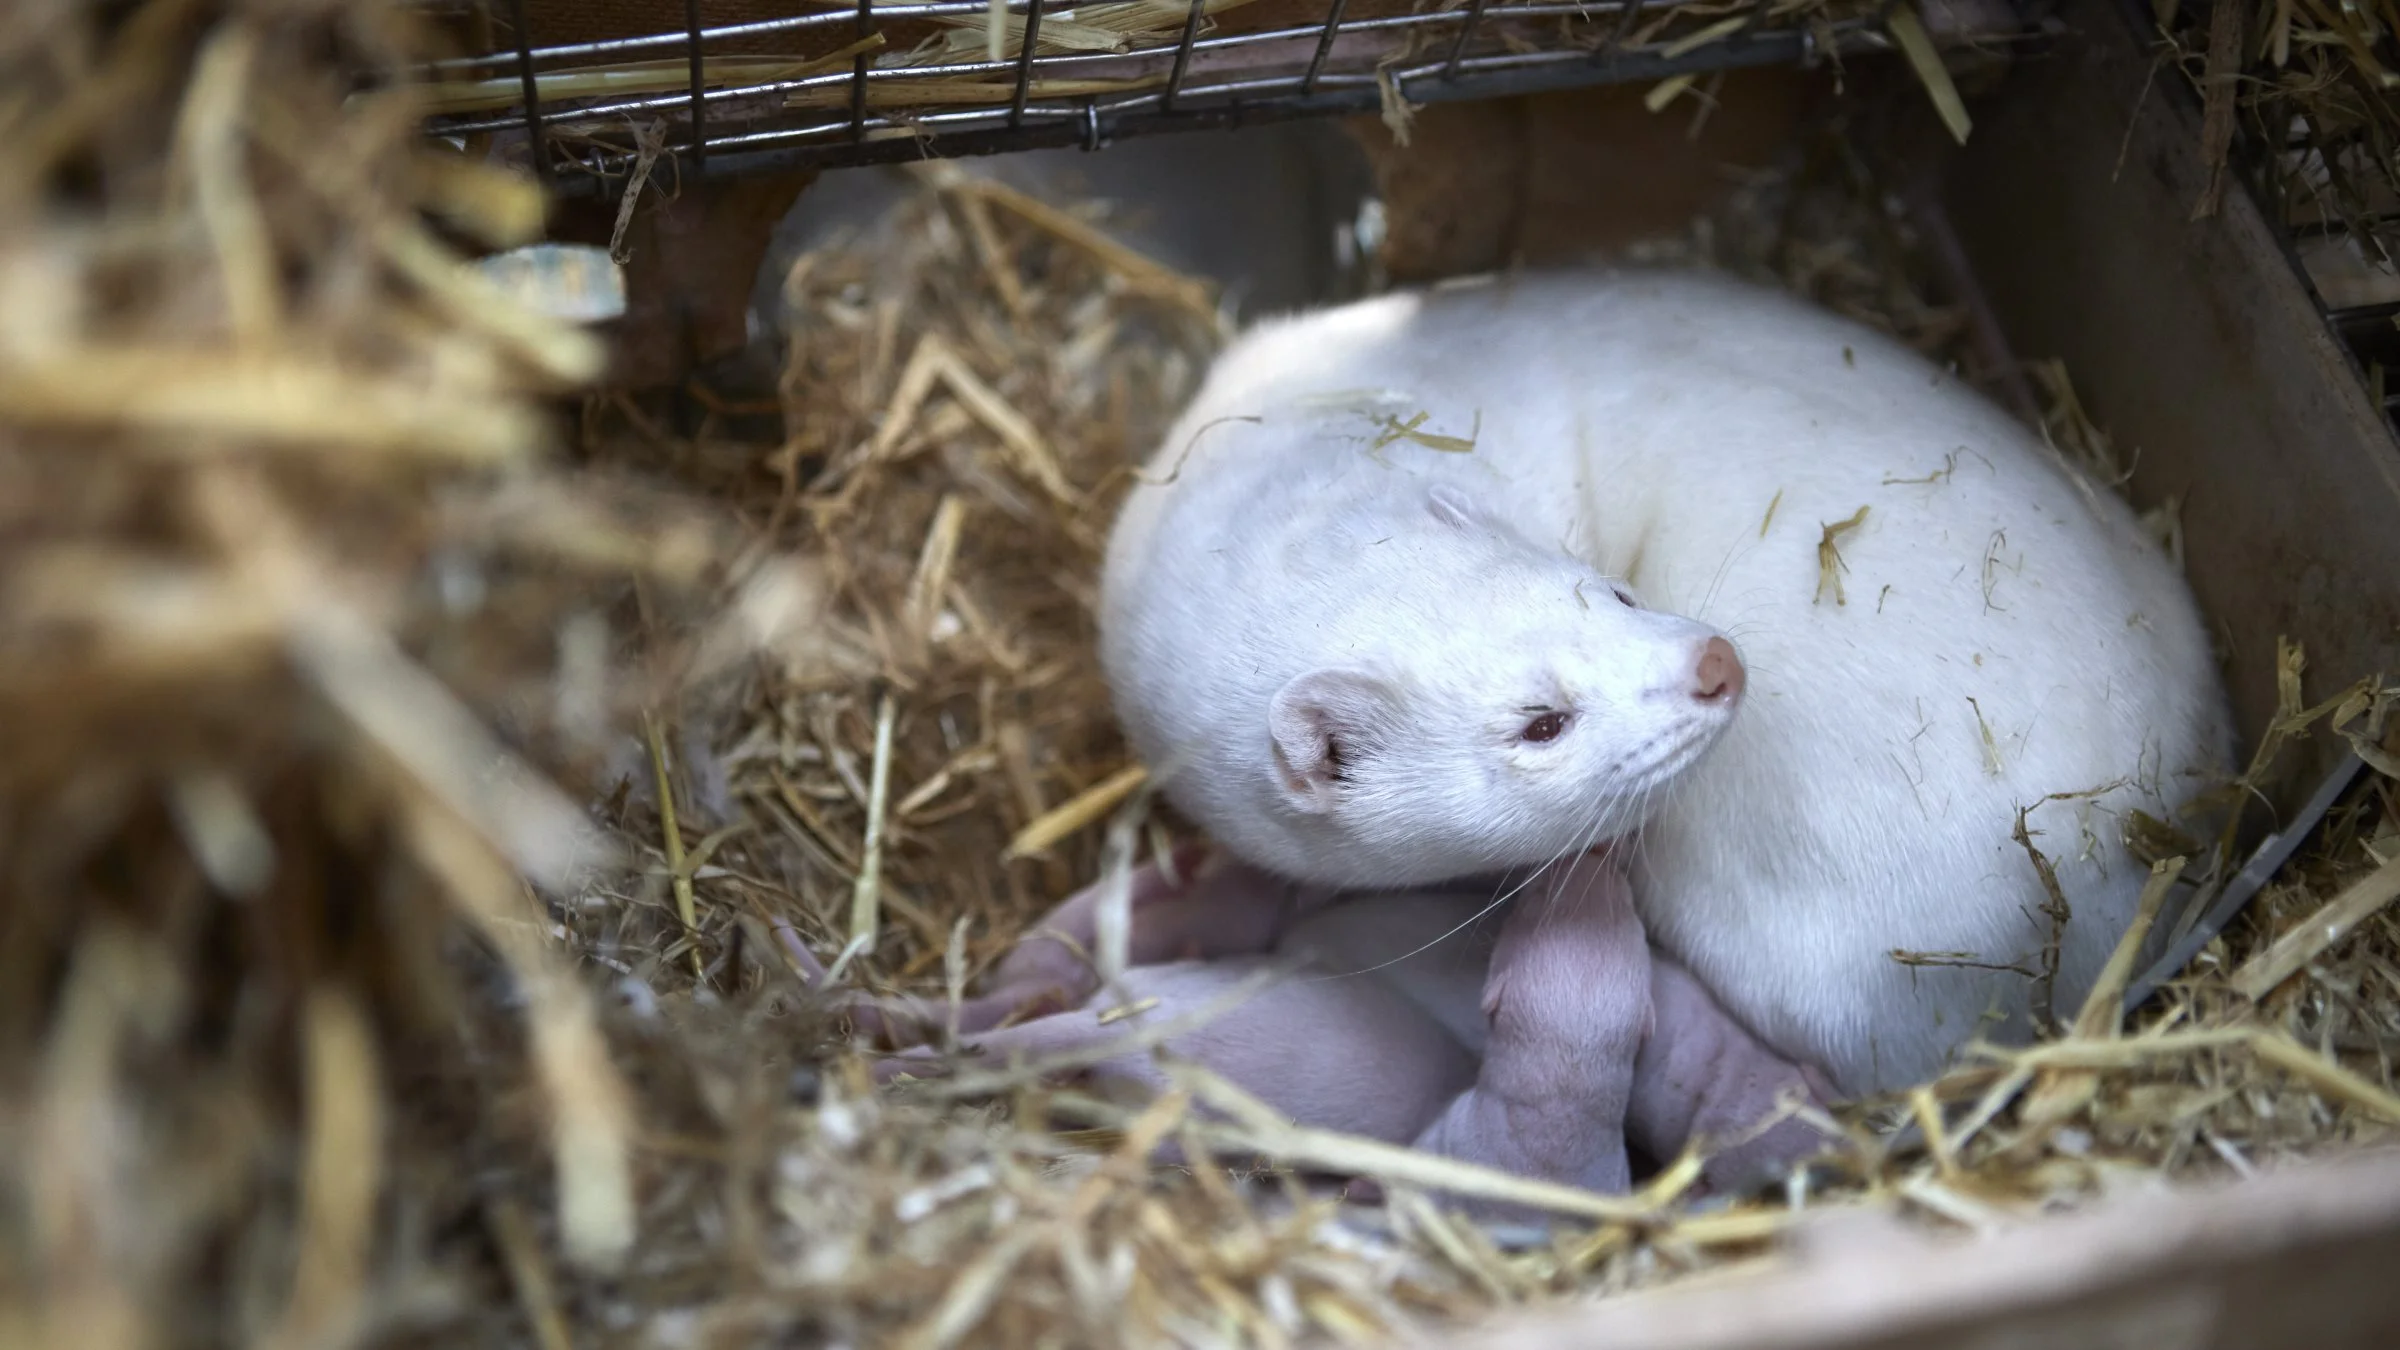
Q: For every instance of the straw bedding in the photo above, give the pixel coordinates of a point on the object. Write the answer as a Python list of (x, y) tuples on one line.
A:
[(415, 786)]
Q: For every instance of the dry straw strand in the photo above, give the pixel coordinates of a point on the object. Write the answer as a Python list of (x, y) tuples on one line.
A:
[(2313, 935)]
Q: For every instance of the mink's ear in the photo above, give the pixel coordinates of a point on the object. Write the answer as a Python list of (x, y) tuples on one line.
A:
[(1323, 723), (1458, 508)]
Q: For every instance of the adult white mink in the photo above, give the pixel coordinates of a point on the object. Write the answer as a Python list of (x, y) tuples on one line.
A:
[(1370, 615)]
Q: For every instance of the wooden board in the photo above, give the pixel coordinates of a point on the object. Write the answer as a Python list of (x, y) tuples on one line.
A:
[(2300, 1258), (1551, 178)]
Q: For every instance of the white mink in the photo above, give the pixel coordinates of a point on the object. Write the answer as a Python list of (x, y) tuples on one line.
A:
[(1334, 633)]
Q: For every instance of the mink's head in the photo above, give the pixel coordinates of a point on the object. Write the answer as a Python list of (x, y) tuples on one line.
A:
[(1516, 708)]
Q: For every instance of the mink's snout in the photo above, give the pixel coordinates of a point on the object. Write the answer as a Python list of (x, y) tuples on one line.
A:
[(1718, 678)]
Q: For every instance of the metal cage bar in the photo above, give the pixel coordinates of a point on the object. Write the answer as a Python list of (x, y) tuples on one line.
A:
[(1615, 41), (1026, 47), (699, 85), (858, 73), (1183, 53), (1466, 34), (537, 144), (1316, 63)]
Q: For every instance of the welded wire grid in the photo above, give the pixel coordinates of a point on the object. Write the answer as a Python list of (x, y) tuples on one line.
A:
[(2370, 330), (2318, 224), (2298, 104), (894, 108), (2372, 333)]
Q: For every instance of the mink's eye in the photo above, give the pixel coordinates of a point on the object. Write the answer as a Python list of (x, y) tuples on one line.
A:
[(1545, 727), (1624, 597)]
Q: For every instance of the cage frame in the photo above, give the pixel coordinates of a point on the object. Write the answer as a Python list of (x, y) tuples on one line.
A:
[(712, 135)]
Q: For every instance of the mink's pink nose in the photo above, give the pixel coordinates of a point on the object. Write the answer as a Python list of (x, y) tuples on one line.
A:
[(1719, 676)]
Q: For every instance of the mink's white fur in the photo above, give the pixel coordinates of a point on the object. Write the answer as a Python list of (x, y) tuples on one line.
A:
[(1329, 624)]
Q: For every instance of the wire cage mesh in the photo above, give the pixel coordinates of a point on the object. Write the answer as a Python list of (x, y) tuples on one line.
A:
[(2349, 263), (2302, 106), (586, 92)]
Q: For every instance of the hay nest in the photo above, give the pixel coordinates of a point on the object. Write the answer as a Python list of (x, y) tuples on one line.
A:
[(302, 623), (279, 553)]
